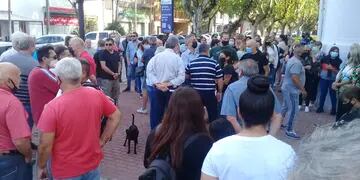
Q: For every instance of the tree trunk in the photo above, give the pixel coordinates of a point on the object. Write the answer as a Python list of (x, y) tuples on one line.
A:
[(197, 22), (116, 10), (254, 29), (283, 29), (81, 19), (235, 26)]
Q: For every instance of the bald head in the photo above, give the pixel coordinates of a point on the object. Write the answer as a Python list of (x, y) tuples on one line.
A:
[(9, 72), (77, 44)]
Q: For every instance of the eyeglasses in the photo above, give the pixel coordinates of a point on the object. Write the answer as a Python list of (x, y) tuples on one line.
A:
[(108, 44)]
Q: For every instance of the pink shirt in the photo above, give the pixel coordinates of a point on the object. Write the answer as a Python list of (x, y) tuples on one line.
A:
[(75, 120), (90, 60), (43, 87), (13, 121)]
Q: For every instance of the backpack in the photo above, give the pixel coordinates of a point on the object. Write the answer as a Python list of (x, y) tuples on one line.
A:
[(160, 168)]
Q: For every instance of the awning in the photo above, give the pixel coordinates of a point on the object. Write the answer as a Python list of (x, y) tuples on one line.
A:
[(61, 11)]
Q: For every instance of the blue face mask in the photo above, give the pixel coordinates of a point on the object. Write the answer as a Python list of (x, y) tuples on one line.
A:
[(248, 50), (334, 54)]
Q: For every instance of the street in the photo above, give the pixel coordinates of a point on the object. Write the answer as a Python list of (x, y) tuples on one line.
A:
[(119, 165)]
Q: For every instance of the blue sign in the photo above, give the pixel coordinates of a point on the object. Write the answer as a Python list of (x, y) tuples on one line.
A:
[(167, 16)]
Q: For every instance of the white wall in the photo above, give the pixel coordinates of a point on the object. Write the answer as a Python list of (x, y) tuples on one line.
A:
[(339, 24)]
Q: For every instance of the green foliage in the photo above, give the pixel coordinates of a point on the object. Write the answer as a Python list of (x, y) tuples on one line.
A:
[(90, 24), (115, 26)]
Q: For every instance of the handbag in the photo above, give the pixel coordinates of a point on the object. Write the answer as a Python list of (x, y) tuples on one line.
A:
[(139, 71)]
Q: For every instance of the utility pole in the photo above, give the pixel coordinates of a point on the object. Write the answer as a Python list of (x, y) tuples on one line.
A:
[(47, 17), (9, 18), (135, 17)]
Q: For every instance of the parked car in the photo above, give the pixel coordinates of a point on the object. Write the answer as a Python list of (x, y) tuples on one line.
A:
[(4, 46), (95, 36), (163, 37), (53, 39)]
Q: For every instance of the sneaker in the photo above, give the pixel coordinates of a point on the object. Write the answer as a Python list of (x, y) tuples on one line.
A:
[(333, 112), (283, 126), (142, 111), (126, 90), (319, 110), (300, 107), (307, 109), (292, 134)]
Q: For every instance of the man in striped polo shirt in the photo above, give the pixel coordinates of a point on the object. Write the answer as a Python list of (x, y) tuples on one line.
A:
[(204, 73)]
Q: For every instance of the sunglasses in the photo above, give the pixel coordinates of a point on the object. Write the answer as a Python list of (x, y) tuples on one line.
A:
[(108, 44)]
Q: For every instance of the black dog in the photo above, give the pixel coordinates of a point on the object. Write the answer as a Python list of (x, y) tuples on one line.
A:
[(132, 134)]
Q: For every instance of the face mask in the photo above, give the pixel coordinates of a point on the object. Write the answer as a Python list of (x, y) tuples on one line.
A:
[(315, 50), (146, 46), (14, 88), (231, 43), (267, 43), (72, 52), (304, 55), (334, 54), (194, 44), (225, 43), (248, 50), (222, 59)]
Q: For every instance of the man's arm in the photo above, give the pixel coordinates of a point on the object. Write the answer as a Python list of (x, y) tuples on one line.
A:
[(111, 125), (180, 78), (45, 148), (207, 177), (127, 54), (266, 70), (24, 147), (105, 68), (296, 80)]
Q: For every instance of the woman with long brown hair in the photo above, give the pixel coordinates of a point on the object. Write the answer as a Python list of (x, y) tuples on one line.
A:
[(183, 119)]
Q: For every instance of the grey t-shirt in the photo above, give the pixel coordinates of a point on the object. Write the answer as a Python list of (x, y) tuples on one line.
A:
[(25, 63), (293, 67)]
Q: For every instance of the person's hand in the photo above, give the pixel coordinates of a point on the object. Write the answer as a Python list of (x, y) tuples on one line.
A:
[(304, 93), (308, 67), (135, 60), (116, 76), (218, 96), (42, 173), (162, 87), (335, 86)]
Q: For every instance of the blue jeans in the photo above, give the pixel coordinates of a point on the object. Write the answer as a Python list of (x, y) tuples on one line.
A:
[(138, 84), (290, 107), (325, 86), (14, 167), (30, 118), (130, 75), (91, 175), (154, 107), (272, 75)]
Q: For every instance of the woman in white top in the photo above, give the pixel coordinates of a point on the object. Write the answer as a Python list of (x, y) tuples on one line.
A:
[(251, 154)]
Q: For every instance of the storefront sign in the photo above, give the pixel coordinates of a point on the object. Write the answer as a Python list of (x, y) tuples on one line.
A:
[(167, 16)]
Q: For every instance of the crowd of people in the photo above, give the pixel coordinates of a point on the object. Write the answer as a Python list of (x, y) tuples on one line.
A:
[(205, 100)]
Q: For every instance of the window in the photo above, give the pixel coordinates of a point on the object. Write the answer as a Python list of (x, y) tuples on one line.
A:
[(103, 35), (91, 36), (58, 39), (43, 40)]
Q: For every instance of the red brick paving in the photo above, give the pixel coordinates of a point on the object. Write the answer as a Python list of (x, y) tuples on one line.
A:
[(119, 165)]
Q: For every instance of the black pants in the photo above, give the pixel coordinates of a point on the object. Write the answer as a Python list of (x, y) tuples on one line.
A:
[(162, 99), (311, 87), (209, 101)]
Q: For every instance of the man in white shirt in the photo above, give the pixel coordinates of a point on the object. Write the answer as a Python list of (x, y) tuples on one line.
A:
[(190, 53), (166, 72), (253, 153)]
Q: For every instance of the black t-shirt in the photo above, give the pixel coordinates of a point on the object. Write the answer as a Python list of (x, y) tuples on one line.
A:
[(230, 70), (260, 58), (97, 61), (112, 62)]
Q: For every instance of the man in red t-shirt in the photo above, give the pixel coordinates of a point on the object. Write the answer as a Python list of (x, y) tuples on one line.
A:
[(78, 46), (43, 84), (70, 126), (15, 149)]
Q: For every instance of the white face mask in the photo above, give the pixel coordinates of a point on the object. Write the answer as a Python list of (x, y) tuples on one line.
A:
[(231, 43)]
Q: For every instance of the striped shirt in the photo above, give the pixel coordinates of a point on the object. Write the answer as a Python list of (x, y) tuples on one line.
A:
[(25, 63), (203, 72)]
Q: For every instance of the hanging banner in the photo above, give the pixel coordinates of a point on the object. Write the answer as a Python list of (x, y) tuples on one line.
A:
[(167, 16)]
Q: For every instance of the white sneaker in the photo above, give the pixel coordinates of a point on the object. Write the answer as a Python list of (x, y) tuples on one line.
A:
[(142, 111), (300, 107), (307, 109)]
